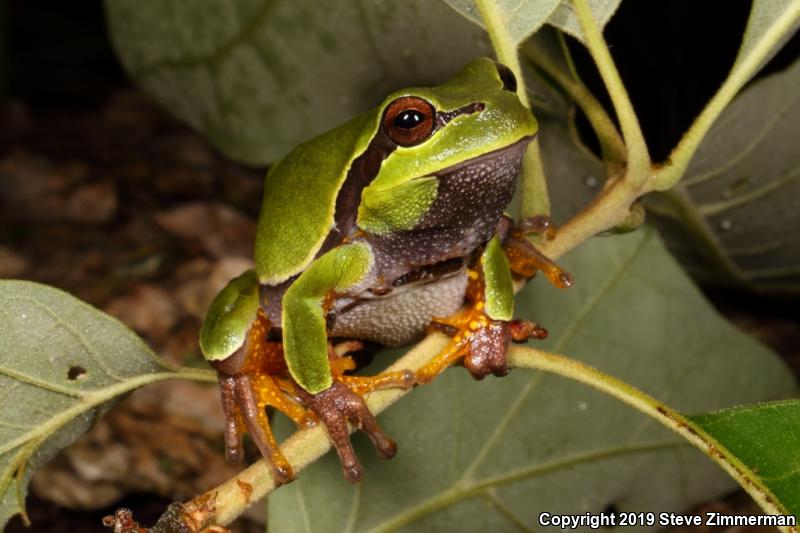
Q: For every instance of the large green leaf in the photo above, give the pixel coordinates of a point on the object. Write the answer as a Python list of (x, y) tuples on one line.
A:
[(765, 437), (564, 17), (492, 455), (257, 77), (734, 217), (61, 363), (771, 24), (521, 18)]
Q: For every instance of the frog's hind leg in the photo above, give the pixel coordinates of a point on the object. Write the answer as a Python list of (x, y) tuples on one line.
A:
[(252, 384), (344, 402), (482, 331), (306, 345)]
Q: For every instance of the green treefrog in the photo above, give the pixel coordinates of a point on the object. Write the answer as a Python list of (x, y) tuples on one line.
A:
[(372, 232)]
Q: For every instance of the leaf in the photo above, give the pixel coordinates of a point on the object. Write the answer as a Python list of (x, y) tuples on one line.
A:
[(564, 17), (61, 363), (766, 438), (733, 218), (771, 23), (493, 455), (521, 17), (258, 77)]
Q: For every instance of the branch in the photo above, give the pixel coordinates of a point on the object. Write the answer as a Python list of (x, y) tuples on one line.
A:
[(525, 357), (638, 171), (229, 500)]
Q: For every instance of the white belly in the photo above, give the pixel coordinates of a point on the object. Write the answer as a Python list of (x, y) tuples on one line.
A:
[(401, 316)]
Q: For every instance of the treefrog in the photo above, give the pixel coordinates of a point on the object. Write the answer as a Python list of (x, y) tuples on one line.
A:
[(375, 231)]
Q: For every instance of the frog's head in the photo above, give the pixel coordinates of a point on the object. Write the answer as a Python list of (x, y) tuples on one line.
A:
[(427, 129), (423, 132), (474, 113)]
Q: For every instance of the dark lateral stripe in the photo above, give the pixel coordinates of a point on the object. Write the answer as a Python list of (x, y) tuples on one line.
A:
[(363, 170)]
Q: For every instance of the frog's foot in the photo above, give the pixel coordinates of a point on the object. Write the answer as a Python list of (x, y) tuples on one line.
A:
[(361, 385), (337, 405), (526, 260), (242, 411), (481, 341)]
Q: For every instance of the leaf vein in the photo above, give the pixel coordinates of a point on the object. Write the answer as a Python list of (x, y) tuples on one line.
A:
[(41, 384)]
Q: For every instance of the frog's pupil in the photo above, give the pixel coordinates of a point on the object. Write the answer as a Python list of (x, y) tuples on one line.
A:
[(409, 119)]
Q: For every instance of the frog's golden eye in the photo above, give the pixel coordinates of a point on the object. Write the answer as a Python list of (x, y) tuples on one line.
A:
[(409, 120)]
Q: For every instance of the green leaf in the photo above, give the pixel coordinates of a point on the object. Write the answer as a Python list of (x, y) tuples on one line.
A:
[(521, 17), (61, 364), (564, 17), (770, 25), (766, 438), (733, 218), (493, 455), (257, 77)]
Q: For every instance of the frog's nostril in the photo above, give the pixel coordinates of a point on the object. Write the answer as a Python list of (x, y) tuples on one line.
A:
[(507, 77)]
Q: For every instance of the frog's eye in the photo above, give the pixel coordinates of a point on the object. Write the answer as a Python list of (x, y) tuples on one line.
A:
[(507, 77), (409, 120)]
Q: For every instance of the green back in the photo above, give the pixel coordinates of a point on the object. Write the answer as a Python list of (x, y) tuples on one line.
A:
[(299, 202)]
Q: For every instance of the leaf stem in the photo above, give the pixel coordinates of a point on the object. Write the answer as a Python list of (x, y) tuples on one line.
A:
[(504, 46), (744, 68), (97, 397), (608, 209), (526, 357), (29, 441), (638, 171), (535, 199), (611, 142)]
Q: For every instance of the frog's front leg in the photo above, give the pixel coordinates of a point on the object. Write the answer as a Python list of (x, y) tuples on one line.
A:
[(483, 330), (332, 398), (525, 259)]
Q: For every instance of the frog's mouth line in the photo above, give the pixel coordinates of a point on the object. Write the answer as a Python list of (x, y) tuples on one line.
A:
[(519, 145)]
